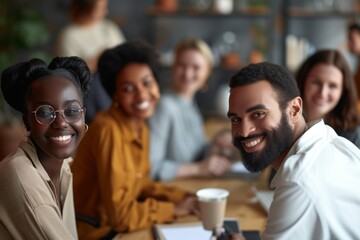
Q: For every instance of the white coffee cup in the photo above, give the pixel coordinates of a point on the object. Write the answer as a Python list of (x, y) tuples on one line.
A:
[(212, 202)]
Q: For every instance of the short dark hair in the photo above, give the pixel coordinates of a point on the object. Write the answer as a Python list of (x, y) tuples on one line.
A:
[(81, 8), (16, 79), (354, 27), (344, 116), (279, 77), (113, 60)]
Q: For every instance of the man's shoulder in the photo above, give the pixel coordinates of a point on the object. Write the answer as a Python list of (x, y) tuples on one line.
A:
[(321, 156)]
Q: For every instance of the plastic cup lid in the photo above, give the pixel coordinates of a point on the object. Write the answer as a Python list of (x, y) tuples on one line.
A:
[(212, 194)]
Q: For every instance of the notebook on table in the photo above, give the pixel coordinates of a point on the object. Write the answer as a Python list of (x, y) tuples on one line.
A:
[(189, 231), (195, 231)]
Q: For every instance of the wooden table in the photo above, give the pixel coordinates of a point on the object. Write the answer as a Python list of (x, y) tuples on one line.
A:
[(241, 203)]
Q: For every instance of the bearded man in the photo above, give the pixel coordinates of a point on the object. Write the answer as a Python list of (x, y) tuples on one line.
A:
[(317, 194)]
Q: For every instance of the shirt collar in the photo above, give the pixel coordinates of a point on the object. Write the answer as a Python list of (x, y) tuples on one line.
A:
[(307, 139), (30, 150), (127, 129)]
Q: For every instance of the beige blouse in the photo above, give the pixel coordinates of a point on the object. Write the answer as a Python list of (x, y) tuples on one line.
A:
[(28, 205)]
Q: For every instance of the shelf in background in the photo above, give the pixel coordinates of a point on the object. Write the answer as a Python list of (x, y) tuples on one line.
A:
[(249, 12), (303, 13)]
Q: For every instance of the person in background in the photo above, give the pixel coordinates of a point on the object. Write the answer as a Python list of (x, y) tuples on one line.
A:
[(87, 36), (354, 47), (221, 144), (11, 134), (177, 131), (35, 181), (317, 171), (113, 191), (327, 87)]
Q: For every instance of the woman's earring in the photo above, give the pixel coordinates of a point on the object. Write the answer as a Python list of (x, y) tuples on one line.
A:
[(86, 128)]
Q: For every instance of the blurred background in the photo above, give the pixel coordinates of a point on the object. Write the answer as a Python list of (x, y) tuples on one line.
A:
[(239, 32)]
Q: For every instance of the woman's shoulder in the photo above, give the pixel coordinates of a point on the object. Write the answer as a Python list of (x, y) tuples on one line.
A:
[(70, 30), (168, 106), (15, 163), (108, 23), (169, 100), (103, 119), (353, 135), (20, 178), (109, 122), (110, 27)]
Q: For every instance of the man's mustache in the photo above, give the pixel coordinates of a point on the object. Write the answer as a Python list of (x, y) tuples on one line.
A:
[(239, 139)]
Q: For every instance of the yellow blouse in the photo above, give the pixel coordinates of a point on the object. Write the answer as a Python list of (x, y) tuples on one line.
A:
[(111, 179)]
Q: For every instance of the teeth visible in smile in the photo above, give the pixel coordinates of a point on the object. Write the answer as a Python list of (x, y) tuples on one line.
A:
[(252, 143), (61, 138), (143, 105)]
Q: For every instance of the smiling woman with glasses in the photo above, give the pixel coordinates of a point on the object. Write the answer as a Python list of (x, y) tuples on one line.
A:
[(36, 182), (46, 114)]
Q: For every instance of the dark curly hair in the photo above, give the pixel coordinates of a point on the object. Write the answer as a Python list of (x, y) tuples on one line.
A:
[(113, 60), (344, 116), (16, 79), (279, 77)]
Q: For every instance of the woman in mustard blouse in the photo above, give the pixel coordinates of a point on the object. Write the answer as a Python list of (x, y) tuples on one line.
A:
[(112, 189)]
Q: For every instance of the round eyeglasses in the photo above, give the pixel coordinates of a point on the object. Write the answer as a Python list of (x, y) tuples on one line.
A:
[(46, 114)]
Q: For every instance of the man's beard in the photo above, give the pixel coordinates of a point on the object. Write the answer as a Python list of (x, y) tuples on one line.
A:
[(278, 140)]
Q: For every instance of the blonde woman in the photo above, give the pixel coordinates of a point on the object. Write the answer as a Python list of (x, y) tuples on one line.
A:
[(177, 136)]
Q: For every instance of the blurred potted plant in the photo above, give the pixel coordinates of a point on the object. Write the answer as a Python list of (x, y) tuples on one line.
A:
[(167, 5), (258, 53), (22, 33)]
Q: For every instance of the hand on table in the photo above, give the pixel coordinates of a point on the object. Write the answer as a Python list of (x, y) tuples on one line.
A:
[(187, 206), (215, 165), (220, 234)]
